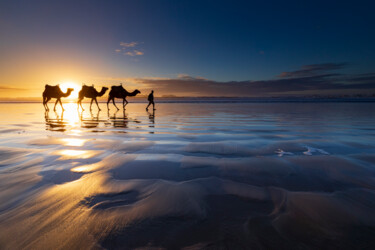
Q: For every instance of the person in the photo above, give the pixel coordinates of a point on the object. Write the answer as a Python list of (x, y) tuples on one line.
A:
[(151, 100)]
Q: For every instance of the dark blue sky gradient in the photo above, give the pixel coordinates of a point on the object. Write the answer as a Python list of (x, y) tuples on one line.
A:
[(218, 40)]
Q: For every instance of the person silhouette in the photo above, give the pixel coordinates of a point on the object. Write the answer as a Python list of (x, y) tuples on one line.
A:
[(151, 100)]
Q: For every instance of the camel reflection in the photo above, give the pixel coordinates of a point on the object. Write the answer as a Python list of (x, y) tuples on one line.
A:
[(118, 120), (57, 123), (91, 122)]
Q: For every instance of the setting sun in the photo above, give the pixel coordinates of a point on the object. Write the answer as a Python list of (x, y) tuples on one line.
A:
[(65, 85)]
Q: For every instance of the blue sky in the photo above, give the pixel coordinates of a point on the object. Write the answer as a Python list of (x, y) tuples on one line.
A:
[(218, 40)]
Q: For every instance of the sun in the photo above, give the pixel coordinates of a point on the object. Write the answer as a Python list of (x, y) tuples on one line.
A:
[(65, 85)]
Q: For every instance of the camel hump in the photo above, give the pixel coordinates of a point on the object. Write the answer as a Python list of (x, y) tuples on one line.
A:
[(52, 87), (117, 88), (87, 87)]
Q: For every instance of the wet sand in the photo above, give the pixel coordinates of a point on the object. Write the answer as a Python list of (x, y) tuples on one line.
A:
[(191, 175)]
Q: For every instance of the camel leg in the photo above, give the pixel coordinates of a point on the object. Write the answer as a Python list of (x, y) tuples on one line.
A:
[(97, 104), (124, 103), (109, 99), (80, 104), (61, 105), (113, 100), (47, 100), (44, 103), (92, 99), (54, 107)]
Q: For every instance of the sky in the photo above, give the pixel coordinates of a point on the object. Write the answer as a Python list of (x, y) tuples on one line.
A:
[(189, 48)]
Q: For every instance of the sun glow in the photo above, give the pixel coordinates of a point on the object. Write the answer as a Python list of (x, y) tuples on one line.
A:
[(65, 85)]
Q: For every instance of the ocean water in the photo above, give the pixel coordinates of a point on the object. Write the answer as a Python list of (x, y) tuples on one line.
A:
[(189, 175)]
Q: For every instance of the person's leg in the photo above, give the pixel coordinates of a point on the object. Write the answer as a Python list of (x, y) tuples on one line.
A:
[(153, 105), (149, 103)]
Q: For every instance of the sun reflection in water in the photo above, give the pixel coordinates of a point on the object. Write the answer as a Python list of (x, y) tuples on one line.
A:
[(68, 152), (77, 154), (71, 115), (73, 142), (86, 168)]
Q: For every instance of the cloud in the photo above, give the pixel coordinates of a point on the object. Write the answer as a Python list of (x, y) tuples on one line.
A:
[(185, 85), (313, 69), (187, 77), (127, 45), (5, 88), (138, 53), (326, 83), (130, 49), (129, 53), (134, 53)]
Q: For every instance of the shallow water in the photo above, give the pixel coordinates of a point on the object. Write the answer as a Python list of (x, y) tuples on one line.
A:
[(193, 175)]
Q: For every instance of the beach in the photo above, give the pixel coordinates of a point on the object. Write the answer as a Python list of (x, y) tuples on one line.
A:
[(188, 176)]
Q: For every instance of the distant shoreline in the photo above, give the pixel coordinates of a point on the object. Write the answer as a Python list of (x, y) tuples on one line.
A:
[(226, 100)]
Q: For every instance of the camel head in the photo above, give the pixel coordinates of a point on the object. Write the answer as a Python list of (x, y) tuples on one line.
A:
[(137, 92), (69, 90), (102, 92)]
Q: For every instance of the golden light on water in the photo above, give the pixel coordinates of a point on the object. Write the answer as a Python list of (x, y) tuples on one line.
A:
[(73, 142), (77, 154), (73, 153), (71, 115), (87, 168)]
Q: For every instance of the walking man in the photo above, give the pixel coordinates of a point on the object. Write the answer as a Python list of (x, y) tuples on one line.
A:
[(151, 100)]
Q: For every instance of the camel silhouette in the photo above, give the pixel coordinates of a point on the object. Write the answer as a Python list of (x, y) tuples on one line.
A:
[(90, 92), (54, 92), (120, 92)]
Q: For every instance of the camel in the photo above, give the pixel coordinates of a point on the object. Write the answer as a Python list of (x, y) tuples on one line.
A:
[(90, 92), (54, 92), (120, 92)]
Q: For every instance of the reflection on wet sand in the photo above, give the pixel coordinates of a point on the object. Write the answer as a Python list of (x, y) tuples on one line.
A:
[(151, 117), (56, 123), (233, 176), (119, 119), (60, 122), (91, 122)]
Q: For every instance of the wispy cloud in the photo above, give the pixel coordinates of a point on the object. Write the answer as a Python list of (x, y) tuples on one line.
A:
[(138, 53), (308, 82), (127, 45), (5, 88), (329, 83), (312, 70), (130, 49)]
